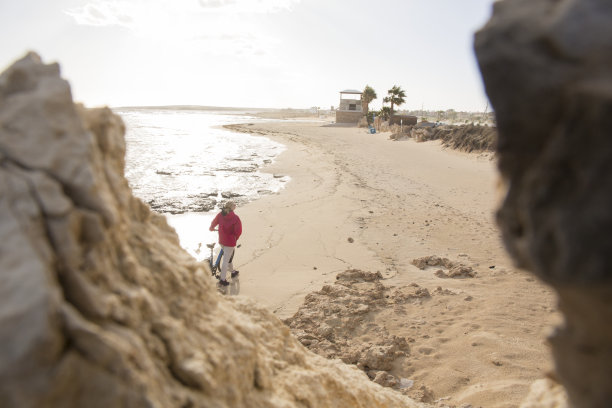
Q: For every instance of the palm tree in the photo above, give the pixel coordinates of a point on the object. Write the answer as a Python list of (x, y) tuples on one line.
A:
[(386, 99), (384, 113), (368, 95), (395, 96)]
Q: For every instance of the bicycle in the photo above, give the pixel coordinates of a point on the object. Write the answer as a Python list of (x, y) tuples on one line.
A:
[(215, 267)]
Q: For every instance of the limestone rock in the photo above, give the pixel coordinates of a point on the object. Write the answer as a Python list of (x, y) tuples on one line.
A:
[(455, 269), (547, 68), (546, 393), (339, 321), (99, 305)]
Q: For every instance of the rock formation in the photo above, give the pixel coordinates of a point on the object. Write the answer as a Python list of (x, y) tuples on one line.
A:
[(547, 68), (454, 269), (467, 138), (332, 323), (99, 305)]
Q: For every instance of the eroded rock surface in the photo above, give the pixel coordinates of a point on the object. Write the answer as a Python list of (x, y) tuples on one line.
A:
[(341, 321), (453, 269), (467, 138), (99, 305), (547, 67)]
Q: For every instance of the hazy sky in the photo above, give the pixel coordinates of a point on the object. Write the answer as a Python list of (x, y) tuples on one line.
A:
[(253, 53)]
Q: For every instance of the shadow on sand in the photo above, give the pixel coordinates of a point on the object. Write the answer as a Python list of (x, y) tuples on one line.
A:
[(233, 289)]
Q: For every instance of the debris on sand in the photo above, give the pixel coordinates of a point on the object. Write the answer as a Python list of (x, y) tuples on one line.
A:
[(332, 323), (454, 269)]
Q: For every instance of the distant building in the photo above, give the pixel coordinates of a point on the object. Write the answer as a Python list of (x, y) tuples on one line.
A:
[(350, 109)]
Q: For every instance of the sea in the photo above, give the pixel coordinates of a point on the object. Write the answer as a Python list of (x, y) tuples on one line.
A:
[(184, 164)]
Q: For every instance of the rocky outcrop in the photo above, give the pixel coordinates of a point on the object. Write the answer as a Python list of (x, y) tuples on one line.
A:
[(99, 305), (547, 67), (467, 138), (453, 269), (342, 321)]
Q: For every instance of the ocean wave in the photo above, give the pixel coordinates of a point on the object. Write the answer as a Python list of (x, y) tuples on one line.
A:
[(181, 161)]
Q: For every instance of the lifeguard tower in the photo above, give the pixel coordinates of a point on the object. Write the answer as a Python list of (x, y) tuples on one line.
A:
[(350, 109)]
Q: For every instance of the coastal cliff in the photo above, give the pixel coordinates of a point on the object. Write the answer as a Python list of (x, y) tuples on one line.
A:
[(100, 306)]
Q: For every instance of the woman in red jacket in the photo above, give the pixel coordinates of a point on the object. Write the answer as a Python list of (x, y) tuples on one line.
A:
[(230, 229)]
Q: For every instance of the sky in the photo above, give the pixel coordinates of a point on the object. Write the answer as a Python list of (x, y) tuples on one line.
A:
[(253, 53)]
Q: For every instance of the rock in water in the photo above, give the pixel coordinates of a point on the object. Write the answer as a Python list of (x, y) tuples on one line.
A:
[(547, 68), (99, 305)]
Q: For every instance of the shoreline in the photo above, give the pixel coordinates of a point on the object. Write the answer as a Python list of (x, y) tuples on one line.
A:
[(362, 201)]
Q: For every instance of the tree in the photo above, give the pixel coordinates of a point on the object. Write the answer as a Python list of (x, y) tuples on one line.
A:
[(368, 95), (395, 96), (384, 112)]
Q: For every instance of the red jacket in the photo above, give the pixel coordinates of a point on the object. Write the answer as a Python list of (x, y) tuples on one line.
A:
[(230, 228)]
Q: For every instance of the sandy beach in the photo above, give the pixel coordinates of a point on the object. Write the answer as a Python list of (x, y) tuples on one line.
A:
[(362, 201), (460, 257)]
